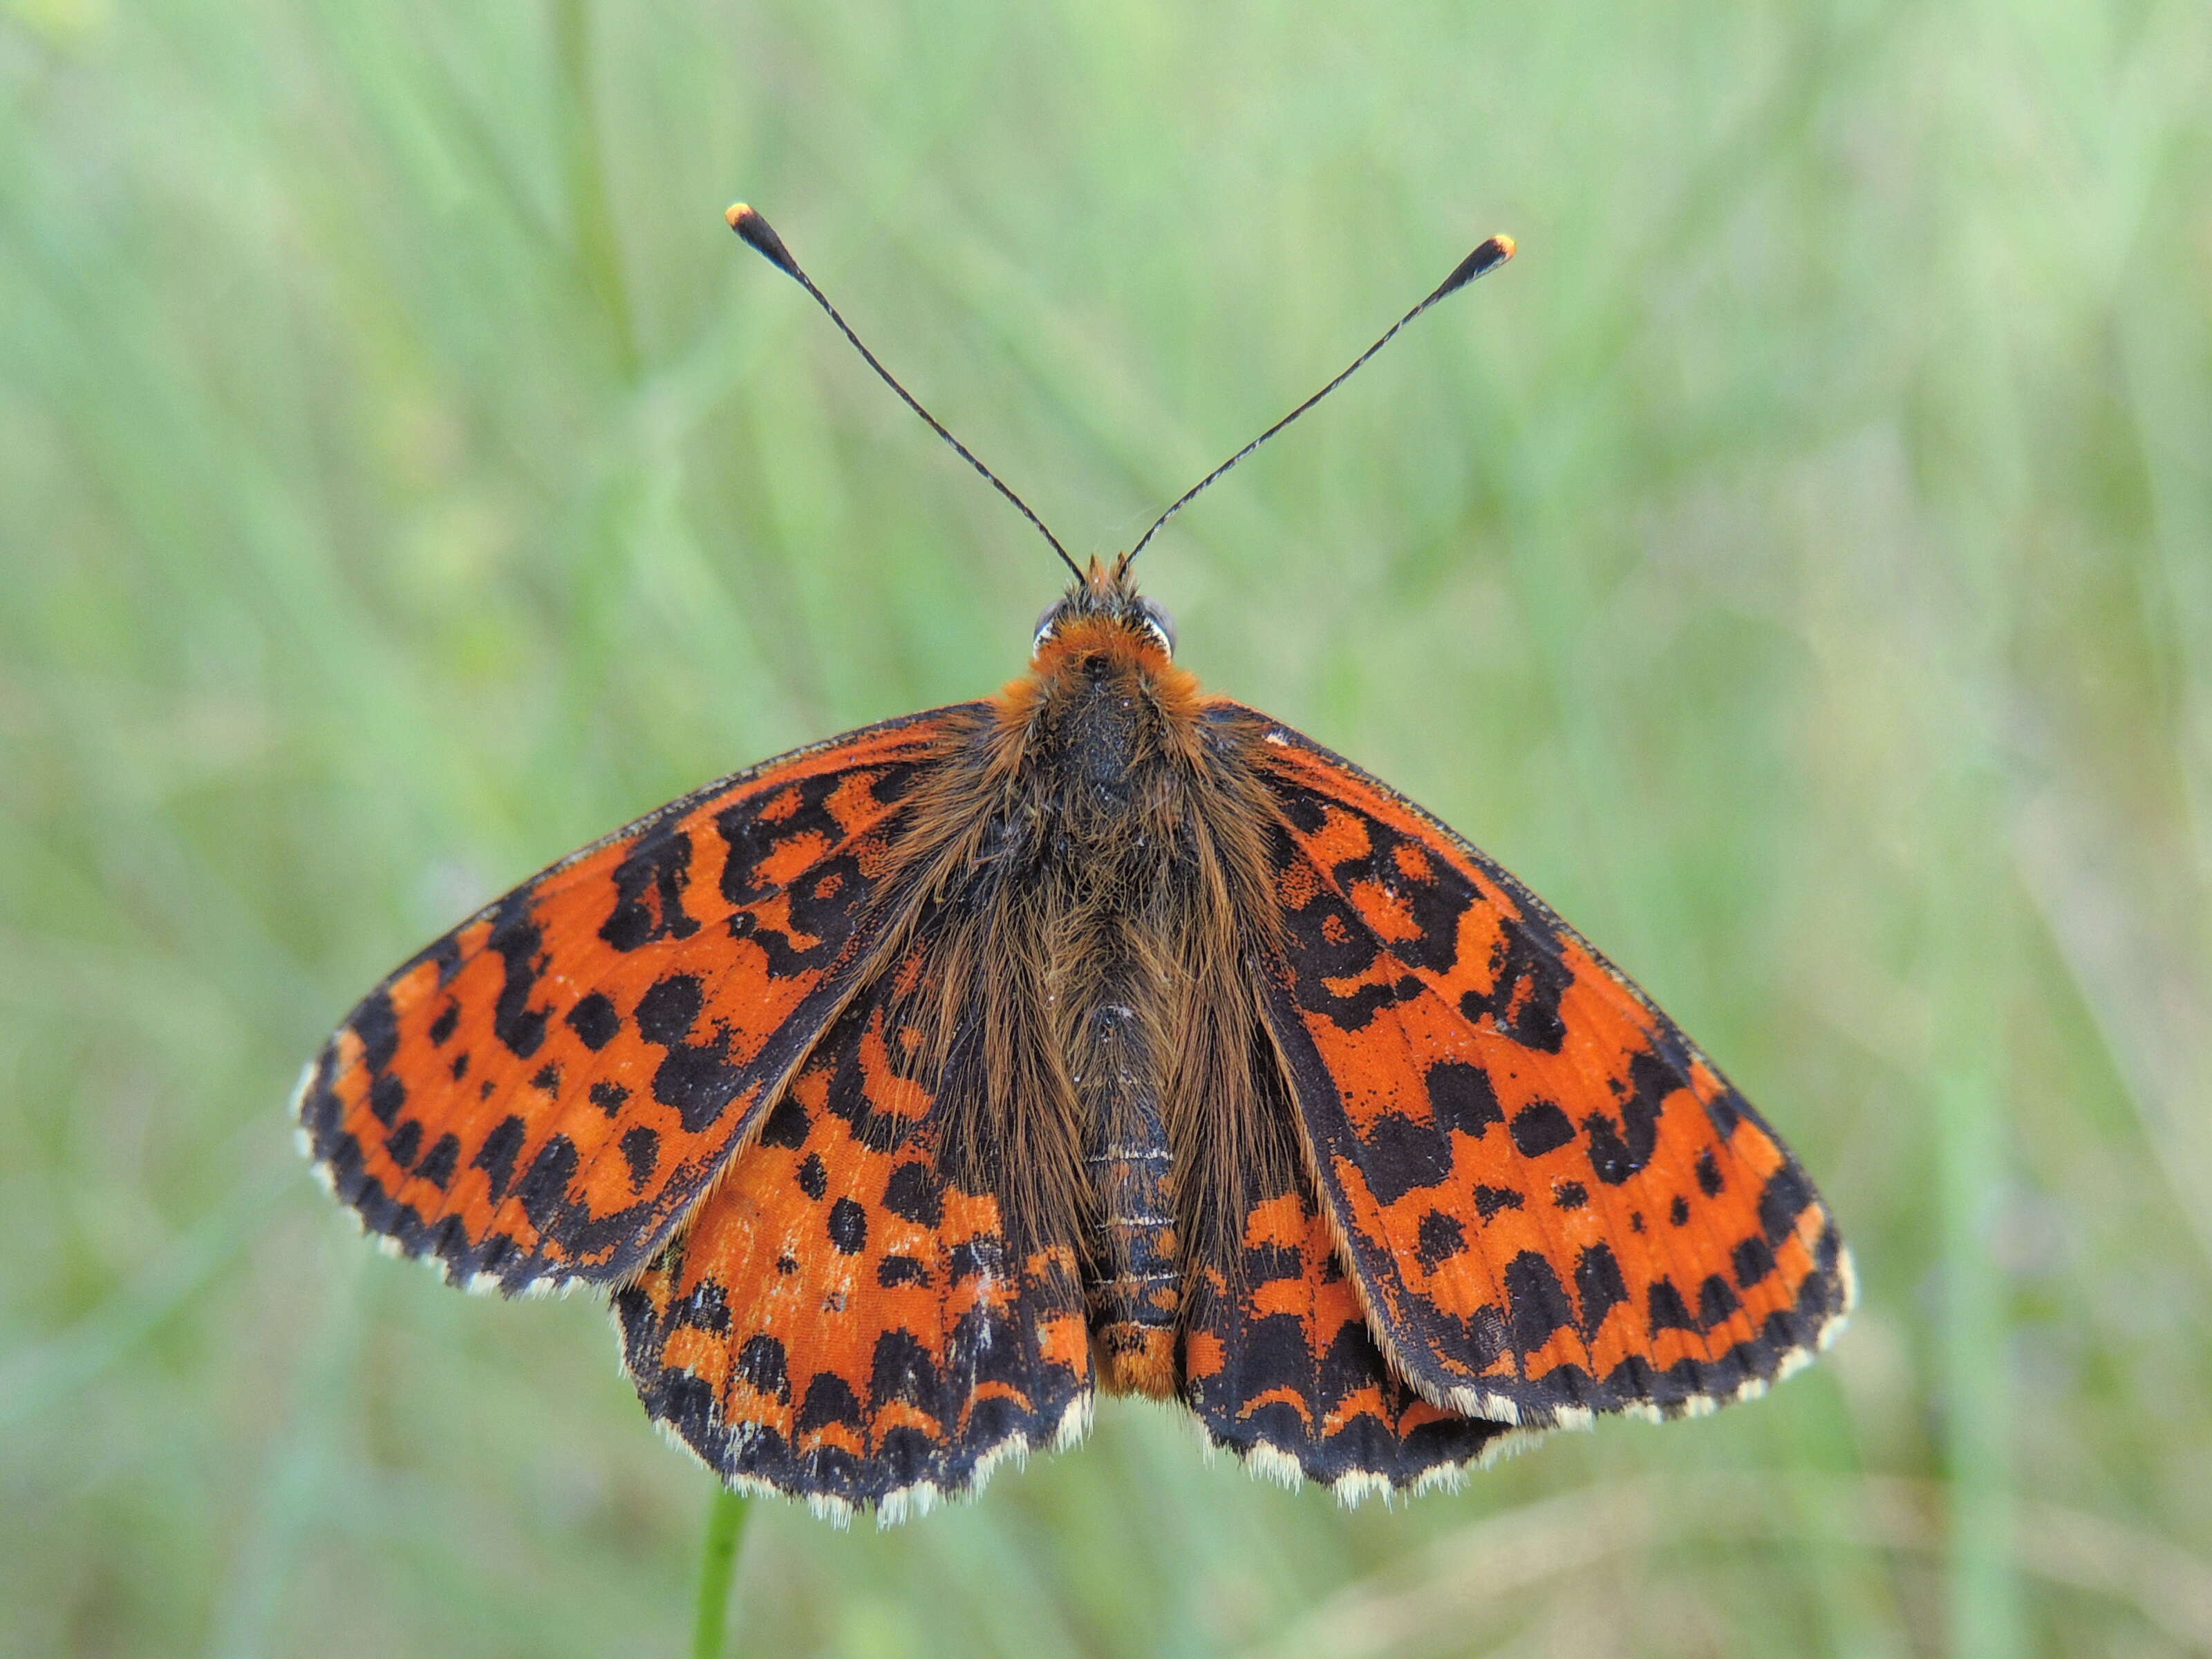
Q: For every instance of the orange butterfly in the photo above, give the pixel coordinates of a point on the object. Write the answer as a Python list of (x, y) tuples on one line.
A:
[(909, 1089)]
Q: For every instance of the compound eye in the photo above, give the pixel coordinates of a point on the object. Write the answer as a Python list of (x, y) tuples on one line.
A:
[(1046, 622), (1161, 624)]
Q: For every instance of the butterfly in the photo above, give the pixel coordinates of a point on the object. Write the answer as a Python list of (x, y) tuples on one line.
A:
[(908, 1090)]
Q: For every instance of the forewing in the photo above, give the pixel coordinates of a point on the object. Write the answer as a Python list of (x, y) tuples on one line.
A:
[(541, 1094), (1553, 1203), (842, 1319)]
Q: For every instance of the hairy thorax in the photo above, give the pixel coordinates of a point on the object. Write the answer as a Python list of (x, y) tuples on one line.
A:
[(1097, 993)]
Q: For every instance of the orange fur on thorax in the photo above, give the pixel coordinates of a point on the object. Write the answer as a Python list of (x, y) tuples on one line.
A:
[(1174, 690)]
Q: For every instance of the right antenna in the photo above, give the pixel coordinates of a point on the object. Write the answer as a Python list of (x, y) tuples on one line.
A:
[(1481, 262)]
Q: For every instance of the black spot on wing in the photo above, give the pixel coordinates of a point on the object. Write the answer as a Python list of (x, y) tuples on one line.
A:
[(594, 1021), (649, 893), (1306, 814), (1600, 1285), (829, 1399), (697, 1079), (1488, 1337), (517, 940), (439, 1164), (1537, 1303), (1462, 1098), (786, 1127), (378, 1028), (1441, 1238), (1398, 1154), (544, 1188), (1618, 1149), (1489, 1200), (706, 1309), (851, 1094), (1715, 1302), (985, 1254), (495, 1158), (895, 1270), (826, 900), (848, 1227), (1540, 1127), (1753, 1259), (763, 1364), (1784, 1198), (641, 1150), (914, 1193), (902, 1370), (758, 829), (1426, 895), (1667, 1310), (386, 1096)]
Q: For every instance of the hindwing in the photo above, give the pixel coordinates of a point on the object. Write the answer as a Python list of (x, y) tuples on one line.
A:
[(856, 1315), (1281, 1368)]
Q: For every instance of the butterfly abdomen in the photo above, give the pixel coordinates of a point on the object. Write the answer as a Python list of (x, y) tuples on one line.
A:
[(1138, 1289)]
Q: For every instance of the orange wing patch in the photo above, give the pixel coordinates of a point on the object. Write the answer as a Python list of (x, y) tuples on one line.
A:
[(841, 1321), (540, 1095), (1555, 1203)]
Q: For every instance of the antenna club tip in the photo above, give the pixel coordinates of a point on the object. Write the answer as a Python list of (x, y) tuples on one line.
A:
[(760, 237), (1485, 258), (1488, 255)]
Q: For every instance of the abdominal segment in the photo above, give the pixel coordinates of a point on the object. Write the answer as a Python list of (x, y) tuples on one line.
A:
[(1137, 1292)]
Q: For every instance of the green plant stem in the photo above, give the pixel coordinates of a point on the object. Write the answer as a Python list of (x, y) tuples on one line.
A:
[(726, 1527), (598, 249)]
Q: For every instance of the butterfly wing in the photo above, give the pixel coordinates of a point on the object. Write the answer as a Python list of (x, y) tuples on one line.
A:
[(1552, 1203), (1281, 1368), (852, 1317), (539, 1095)]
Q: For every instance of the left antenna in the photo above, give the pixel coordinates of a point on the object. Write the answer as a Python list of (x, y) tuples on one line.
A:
[(761, 236)]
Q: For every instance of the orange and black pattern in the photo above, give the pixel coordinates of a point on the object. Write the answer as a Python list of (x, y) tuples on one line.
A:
[(1555, 1205), (1282, 1368), (539, 1095), (844, 1320), (909, 1090)]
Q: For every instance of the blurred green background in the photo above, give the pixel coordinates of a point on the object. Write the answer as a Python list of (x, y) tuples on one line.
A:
[(1797, 566)]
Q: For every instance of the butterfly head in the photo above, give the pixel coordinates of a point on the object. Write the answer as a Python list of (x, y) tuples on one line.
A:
[(1103, 610)]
